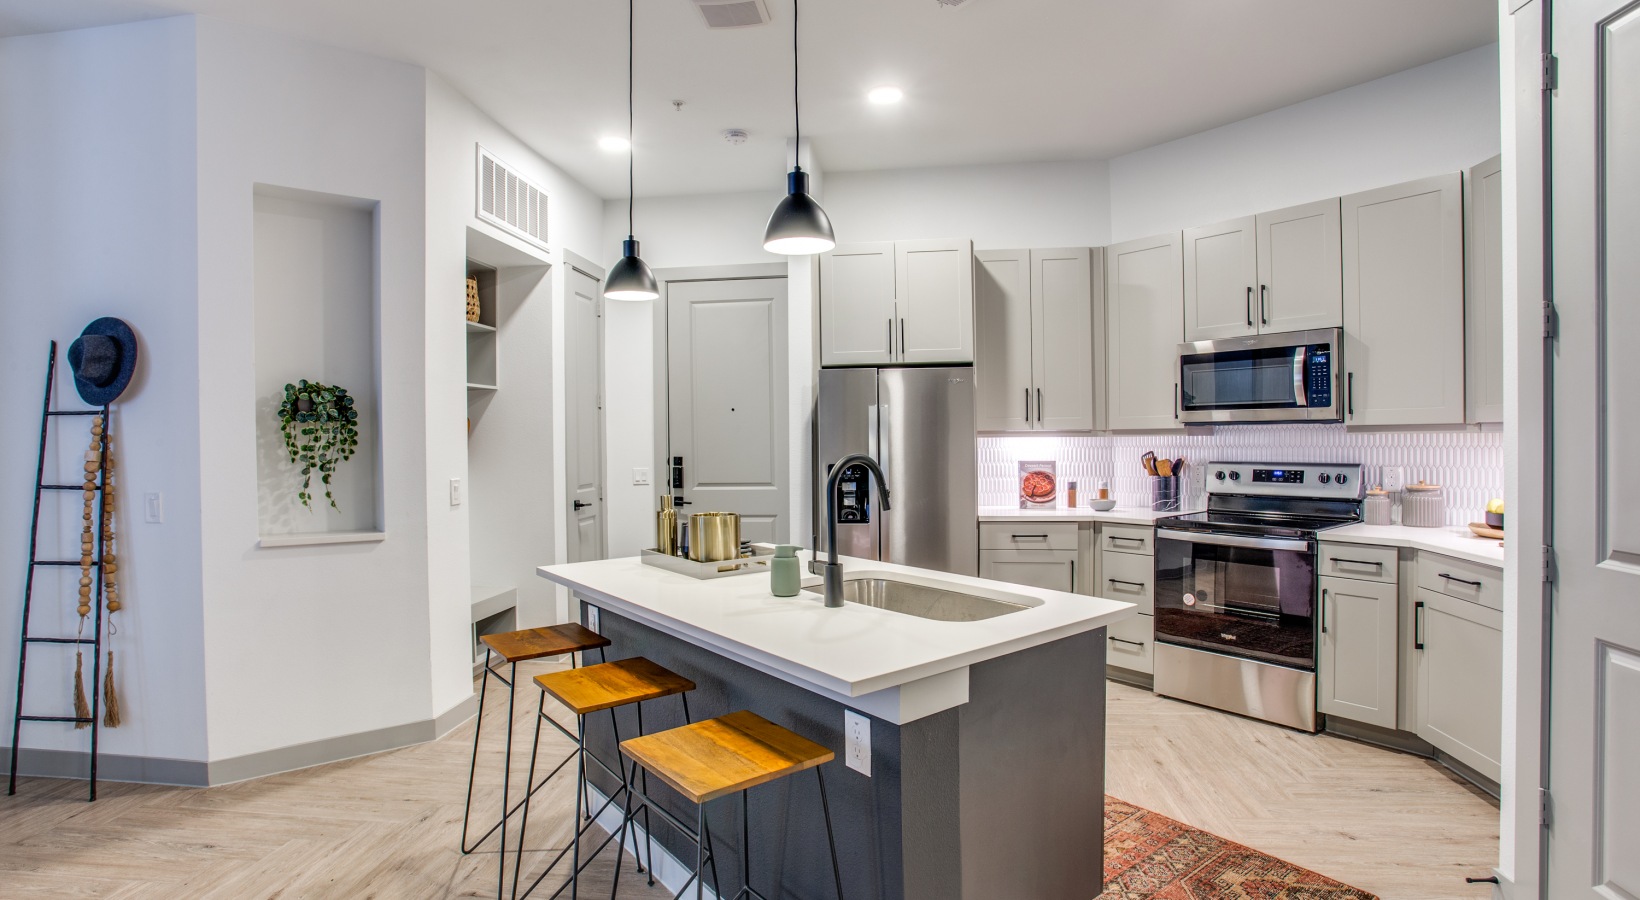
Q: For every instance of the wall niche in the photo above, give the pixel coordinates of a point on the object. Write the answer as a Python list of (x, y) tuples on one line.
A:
[(317, 304)]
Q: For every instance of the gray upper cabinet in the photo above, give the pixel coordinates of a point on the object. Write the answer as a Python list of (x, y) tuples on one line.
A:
[(1483, 299), (858, 324), (1359, 675), (1220, 267), (1300, 268), (1144, 304), (934, 297), (1404, 304), (1034, 348)]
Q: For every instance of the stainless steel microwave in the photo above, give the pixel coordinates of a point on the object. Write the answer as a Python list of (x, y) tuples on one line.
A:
[(1296, 376)]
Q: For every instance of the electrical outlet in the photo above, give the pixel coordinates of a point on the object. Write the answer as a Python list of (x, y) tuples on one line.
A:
[(856, 741), (455, 492), (153, 506), (592, 618), (1395, 478), (640, 475)]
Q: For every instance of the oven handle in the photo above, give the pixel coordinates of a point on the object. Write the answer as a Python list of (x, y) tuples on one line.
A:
[(1232, 540)]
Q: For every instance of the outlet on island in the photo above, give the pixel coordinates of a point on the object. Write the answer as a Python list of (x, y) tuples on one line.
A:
[(857, 742)]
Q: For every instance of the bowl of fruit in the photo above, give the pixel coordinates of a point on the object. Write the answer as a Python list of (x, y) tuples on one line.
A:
[(1494, 514)]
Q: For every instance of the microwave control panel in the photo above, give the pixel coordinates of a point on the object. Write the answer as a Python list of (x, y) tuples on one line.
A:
[(1319, 378), (854, 496)]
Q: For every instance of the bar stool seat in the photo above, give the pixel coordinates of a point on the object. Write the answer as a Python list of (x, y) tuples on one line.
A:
[(535, 643), (724, 756), (731, 754), (584, 691)]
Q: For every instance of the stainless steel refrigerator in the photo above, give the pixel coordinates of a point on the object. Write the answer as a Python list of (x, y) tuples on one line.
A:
[(918, 423)]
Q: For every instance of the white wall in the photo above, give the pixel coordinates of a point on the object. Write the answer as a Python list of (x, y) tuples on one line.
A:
[(1439, 117), (1054, 204), (97, 217)]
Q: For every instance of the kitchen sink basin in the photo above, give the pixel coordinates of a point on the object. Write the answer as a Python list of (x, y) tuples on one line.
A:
[(941, 601)]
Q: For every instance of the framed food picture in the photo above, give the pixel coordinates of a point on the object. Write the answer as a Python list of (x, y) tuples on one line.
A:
[(1038, 485)]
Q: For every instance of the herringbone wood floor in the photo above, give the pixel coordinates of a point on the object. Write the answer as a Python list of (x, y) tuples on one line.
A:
[(386, 826)]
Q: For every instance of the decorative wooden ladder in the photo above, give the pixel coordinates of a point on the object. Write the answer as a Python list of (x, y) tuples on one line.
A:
[(47, 414)]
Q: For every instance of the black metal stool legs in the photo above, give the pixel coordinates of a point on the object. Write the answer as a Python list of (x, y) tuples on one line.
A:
[(831, 842)]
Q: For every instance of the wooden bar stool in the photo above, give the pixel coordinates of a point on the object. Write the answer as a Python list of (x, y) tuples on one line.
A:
[(723, 756), (584, 691), (514, 647)]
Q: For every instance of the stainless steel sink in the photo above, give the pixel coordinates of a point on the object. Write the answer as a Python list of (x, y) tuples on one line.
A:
[(951, 603)]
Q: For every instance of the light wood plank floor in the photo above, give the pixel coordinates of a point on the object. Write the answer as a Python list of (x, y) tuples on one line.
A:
[(386, 826)]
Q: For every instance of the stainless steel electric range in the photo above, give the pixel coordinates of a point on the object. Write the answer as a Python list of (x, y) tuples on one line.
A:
[(1236, 612)]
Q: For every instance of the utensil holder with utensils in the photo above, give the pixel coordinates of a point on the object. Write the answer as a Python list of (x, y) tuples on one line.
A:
[(1164, 493)]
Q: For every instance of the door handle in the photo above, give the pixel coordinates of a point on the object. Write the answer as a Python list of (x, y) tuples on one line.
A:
[(1418, 625), (1263, 308), (580, 505), (1323, 610), (1249, 306), (679, 501)]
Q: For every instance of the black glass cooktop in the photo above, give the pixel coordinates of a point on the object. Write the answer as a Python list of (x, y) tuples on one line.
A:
[(1271, 524)]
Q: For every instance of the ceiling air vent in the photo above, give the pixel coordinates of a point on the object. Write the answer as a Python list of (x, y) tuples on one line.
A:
[(509, 202), (732, 13)]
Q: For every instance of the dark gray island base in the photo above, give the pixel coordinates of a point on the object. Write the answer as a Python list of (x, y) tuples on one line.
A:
[(1001, 798)]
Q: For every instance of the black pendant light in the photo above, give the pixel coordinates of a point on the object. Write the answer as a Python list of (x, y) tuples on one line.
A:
[(630, 279), (799, 227)]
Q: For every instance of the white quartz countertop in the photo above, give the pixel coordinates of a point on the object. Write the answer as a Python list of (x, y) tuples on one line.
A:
[(1132, 515), (852, 652), (1459, 542)]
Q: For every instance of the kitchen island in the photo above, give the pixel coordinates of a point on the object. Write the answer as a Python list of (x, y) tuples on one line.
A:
[(985, 775)]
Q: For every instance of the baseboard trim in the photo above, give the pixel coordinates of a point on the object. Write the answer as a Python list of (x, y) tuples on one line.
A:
[(1130, 678), (76, 764), (1405, 742)]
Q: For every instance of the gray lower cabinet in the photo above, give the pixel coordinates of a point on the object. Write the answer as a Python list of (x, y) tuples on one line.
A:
[(1459, 665), (1127, 572), (1358, 676), (1054, 570)]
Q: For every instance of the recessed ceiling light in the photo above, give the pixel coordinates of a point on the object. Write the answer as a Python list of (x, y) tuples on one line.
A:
[(883, 96), (613, 144)]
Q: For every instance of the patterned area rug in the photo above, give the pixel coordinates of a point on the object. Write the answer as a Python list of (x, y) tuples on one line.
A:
[(1151, 857)]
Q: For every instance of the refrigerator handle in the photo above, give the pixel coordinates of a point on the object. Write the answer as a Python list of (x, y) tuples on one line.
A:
[(880, 451)]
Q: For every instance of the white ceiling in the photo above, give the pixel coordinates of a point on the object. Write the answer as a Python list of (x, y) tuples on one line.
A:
[(989, 81)]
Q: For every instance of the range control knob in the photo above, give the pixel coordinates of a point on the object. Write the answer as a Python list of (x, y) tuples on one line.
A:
[(1326, 478), (1219, 474), (1235, 476), (1342, 478)]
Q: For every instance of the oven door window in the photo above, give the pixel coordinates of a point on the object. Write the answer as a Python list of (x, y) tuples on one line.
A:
[(1244, 601), (1270, 378)]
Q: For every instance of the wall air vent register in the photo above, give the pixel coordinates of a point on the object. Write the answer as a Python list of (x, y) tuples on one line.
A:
[(509, 202)]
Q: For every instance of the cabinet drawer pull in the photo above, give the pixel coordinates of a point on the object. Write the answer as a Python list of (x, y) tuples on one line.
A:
[(1137, 585), (1114, 538), (1355, 562), (1029, 537), (1418, 625), (1473, 584), (1139, 644)]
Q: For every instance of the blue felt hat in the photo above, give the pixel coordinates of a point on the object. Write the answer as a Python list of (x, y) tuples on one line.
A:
[(102, 359)]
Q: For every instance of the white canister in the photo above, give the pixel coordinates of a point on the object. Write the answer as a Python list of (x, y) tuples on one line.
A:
[(1424, 506), (1377, 509)]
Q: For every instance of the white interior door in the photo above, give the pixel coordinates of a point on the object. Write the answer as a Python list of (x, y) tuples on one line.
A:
[(727, 400), (1594, 693), (584, 418)]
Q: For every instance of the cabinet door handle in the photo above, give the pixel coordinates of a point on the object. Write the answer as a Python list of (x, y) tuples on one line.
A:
[(1027, 406), (1350, 394), (1418, 625), (1323, 610), (891, 337), (1139, 585), (1139, 644), (1072, 588), (1473, 584), (1175, 401), (1263, 304), (902, 337), (1355, 562), (1039, 406), (1249, 306)]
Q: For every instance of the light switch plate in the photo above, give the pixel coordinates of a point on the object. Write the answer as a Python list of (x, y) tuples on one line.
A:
[(640, 475), (153, 507), (1395, 478), (857, 742), (455, 492)]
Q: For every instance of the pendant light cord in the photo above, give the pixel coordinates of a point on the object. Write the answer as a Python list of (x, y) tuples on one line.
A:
[(797, 110), (631, 178)]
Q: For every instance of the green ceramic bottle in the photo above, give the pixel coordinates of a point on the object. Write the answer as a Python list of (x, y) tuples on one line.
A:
[(787, 572)]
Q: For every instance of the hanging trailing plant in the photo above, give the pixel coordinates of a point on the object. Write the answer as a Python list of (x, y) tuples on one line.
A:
[(321, 431)]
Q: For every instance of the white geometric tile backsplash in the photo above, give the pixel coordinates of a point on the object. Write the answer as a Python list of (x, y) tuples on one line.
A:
[(1469, 464)]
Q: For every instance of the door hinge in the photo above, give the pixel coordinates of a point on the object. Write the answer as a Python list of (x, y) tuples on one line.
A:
[(1548, 564), (1551, 321), (1545, 808), (1550, 71)]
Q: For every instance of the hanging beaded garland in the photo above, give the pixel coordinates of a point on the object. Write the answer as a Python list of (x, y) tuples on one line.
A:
[(99, 458)]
